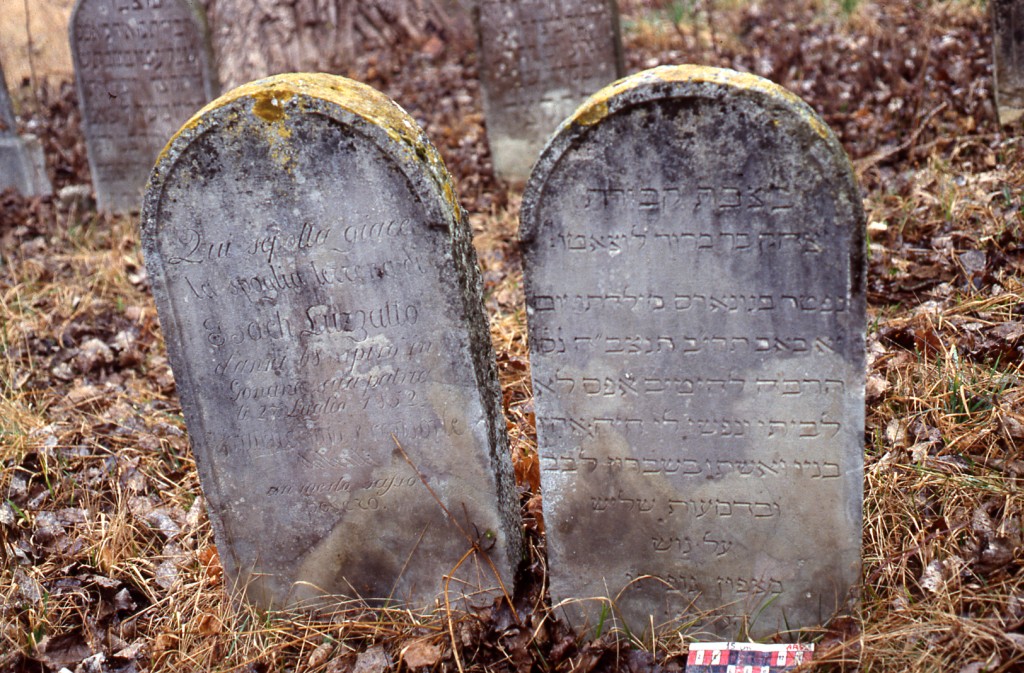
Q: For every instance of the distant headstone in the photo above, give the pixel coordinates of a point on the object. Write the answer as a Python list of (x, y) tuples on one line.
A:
[(538, 62), (8, 125), (320, 298), (694, 265), (1008, 54), (22, 165), (142, 67)]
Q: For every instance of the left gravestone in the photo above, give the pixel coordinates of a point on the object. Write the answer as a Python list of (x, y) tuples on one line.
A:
[(320, 298), (21, 157), (141, 69)]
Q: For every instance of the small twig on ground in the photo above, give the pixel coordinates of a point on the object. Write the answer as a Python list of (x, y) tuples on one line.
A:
[(862, 165)]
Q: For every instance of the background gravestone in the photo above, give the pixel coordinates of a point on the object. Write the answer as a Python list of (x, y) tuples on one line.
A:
[(320, 298), (22, 165), (8, 126), (539, 61), (1008, 57), (141, 69), (693, 255)]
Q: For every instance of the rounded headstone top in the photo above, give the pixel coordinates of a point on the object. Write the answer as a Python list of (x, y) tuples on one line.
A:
[(274, 99), (675, 81), (691, 80)]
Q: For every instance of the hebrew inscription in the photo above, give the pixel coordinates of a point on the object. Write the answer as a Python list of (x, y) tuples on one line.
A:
[(142, 67), (321, 304), (539, 60), (693, 260)]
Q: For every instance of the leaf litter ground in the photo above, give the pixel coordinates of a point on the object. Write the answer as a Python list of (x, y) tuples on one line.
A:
[(108, 563)]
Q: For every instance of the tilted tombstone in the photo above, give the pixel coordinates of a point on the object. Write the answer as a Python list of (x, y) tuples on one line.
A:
[(141, 69), (538, 62), (694, 268), (318, 290), (22, 165), (1008, 57)]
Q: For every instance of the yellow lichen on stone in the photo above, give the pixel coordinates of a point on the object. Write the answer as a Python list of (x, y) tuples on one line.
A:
[(270, 96), (268, 106), (597, 106), (592, 114)]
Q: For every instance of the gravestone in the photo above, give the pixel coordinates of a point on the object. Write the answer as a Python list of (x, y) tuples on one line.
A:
[(1008, 58), (22, 165), (8, 126), (142, 67), (538, 62), (319, 294), (693, 258)]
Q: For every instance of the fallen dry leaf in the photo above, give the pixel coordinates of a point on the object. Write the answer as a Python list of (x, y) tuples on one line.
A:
[(318, 656), (210, 560), (420, 654), (875, 388), (67, 650), (373, 660), (208, 624)]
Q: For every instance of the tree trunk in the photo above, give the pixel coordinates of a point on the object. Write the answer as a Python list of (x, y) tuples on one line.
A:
[(256, 38)]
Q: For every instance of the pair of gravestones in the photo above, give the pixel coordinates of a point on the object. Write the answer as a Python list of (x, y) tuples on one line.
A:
[(693, 258), (142, 67)]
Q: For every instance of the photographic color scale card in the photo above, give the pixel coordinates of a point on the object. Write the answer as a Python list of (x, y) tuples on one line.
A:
[(746, 657)]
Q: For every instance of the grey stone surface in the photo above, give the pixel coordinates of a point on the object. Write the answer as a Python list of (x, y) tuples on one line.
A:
[(142, 67), (22, 165), (693, 256), (539, 60), (8, 126), (1008, 55), (320, 298)]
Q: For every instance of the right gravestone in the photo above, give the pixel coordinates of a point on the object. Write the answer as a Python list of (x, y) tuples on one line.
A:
[(694, 261)]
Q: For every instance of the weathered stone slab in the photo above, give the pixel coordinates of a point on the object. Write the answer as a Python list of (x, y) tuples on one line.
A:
[(693, 254), (538, 62), (320, 298), (1008, 57), (8, 126), (22, 165), (142, 67)]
